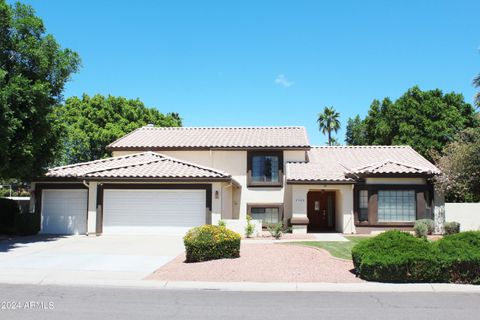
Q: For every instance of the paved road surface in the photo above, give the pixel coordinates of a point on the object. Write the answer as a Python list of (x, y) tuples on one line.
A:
[(139, 304)]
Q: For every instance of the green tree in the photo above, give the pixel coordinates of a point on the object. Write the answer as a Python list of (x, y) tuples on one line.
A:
[(89, 124), (425, 120), (460, 165), (328, 121), (33, 72), (476, 83), (355, 131)]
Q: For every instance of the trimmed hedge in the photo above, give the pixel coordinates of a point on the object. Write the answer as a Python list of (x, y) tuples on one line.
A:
[(9, 209), (210, 242), (396, 256), (460, 256), (15, 222)]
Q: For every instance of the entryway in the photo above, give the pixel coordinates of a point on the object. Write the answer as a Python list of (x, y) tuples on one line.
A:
[(321, 211)]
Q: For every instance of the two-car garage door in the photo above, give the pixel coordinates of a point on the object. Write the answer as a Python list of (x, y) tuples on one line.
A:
[(132, 211), (152, 211)]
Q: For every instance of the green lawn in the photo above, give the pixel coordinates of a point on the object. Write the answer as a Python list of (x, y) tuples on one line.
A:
[(337, 249)]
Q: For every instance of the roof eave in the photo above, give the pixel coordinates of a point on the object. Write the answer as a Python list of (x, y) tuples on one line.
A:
[(397, 175), (145, 148), (335, 182), (144, 179)]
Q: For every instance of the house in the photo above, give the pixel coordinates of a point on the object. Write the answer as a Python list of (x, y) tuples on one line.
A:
[(167, 180)]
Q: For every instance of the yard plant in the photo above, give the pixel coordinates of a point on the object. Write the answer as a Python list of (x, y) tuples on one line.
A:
[(452, 227), (276, 230), (249, 227), (396, 256), (424, 227), (211, 242)]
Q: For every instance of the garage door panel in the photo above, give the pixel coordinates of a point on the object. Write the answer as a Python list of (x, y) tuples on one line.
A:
[(64, 211), (152, 211)]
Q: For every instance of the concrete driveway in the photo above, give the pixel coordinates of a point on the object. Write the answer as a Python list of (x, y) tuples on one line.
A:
[(84, 260)]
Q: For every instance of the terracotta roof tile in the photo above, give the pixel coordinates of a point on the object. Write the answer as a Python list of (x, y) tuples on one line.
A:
[(220, 137), (344, 163), (139, 165)]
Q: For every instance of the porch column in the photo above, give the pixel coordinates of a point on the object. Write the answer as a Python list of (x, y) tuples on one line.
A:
[(299, 220), (216, 214), (92, 209), (438, 211)]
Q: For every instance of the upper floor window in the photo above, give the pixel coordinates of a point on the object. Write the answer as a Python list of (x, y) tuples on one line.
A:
[(265, 168)]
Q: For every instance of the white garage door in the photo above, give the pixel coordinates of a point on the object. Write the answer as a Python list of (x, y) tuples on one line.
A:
[(152, 211), (64, 211)]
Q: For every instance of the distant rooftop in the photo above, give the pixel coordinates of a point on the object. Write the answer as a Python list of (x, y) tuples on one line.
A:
[(155, 138)]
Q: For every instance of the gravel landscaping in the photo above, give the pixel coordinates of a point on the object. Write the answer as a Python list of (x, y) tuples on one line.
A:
[(263, 263)]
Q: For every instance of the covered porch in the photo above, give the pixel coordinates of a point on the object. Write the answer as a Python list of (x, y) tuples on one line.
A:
[(322, 208)]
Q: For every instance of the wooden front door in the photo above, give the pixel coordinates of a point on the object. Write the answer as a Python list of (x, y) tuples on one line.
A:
[(321, 211)]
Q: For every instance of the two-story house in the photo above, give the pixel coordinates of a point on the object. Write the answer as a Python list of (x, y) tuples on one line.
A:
[(167, 180)]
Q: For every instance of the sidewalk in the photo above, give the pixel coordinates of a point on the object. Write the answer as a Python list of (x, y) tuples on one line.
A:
[(84, 279)]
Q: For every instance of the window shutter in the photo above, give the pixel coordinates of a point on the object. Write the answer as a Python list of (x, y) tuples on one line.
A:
[(373, 207), (421, 205)]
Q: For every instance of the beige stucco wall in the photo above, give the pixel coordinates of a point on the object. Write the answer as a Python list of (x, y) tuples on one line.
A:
[(467, 214), (344, 221), (234, 162)]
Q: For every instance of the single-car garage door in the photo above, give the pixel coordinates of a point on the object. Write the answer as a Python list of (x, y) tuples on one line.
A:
[(64, 211), (152, 211)]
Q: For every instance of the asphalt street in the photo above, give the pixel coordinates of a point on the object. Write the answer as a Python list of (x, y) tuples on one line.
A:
[(62, 302)]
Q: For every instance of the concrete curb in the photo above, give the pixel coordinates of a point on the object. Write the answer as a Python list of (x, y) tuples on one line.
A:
[(261, 286)]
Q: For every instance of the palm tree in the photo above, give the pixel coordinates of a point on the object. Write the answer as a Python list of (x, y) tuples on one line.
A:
[(476, 83), (328, 122)]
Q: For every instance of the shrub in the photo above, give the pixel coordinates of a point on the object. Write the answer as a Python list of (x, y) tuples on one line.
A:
[(9, 209), (460, 256), (421, 230), (424, 227), (396, 256), (452, 227), (427, 222), (27, 224), (222, 223), (276, 230), (250, 227), (210, 242), (399, 257)]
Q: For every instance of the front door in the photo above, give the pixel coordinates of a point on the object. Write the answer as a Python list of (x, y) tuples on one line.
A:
[(321, 211)]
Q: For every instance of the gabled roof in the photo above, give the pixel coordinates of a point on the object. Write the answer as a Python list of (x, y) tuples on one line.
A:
[(153, 138), (344, 164), (388, 166), (145, 165)]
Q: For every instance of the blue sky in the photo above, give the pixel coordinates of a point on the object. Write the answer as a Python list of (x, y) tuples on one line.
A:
[(241, 63)]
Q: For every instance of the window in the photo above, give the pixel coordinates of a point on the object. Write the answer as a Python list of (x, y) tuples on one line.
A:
[(268, 214), (265, 169), (363, 205), (396, 205)]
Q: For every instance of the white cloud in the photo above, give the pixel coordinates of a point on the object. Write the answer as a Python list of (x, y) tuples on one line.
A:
[(281, 80)]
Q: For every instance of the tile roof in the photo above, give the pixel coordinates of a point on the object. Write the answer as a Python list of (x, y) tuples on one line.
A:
[(153, 138), (143, 165), (345, 163)]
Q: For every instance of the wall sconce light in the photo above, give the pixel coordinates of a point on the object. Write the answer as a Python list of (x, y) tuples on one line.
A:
[(216, 194)]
